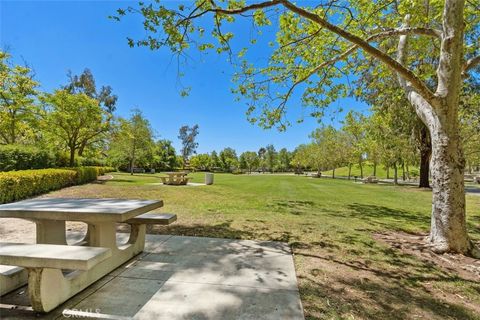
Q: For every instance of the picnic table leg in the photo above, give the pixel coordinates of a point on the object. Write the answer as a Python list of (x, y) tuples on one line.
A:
[(48, 288), (102, 234), (50, 231)]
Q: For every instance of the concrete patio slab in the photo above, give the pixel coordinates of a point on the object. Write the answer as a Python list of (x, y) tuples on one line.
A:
[(185, 278)]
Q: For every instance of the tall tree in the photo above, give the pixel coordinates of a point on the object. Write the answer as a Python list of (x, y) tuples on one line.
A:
[(18, 110), (201, 161), (249, 161), (72, 119), (215, 161), (165, 155), (301, 158), (132, 141), (271, 157), (188, 135), (85, 83), (354, 127), (228, 159), (330, 152), (316, 44), (284, 159)]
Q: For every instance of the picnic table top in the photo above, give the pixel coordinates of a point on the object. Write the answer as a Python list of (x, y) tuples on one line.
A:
[(176, 173), (79, 209)]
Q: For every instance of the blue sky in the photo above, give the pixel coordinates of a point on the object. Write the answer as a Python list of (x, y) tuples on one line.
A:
[(56, 36)]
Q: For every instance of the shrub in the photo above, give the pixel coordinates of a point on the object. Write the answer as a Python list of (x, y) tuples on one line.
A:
[(85, 174), (103, 170), (18, 157), (19, 185), (91, 162)]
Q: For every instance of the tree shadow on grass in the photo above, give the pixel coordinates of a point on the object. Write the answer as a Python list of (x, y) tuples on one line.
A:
[(387, 217), (295, 207), (221, 230), (365, 289), (377, 300)]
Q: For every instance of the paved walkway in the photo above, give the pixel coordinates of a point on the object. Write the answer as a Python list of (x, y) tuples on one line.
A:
[(185, 278)]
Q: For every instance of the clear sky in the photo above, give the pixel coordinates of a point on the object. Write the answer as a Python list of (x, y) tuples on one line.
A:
[(56, 36)]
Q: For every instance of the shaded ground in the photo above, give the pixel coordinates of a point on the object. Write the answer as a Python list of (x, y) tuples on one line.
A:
[(185, 278), (343, 269), (414, 244)]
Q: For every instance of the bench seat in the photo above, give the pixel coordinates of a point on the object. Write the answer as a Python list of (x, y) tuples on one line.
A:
[(154, 218), (51, 256)]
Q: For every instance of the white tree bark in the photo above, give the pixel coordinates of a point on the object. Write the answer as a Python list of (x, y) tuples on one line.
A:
[(448, 231)]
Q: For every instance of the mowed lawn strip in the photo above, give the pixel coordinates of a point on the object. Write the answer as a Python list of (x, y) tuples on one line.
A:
[(343, 272)]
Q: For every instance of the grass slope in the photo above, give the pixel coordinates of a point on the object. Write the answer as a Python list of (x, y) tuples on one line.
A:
[(367, 171), (343, 273)]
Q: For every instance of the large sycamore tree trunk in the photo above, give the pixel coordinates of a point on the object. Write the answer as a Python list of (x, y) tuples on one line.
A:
[(448, 227), (439, 112)]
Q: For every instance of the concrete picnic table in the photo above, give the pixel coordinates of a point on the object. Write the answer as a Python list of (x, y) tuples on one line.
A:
[(175, 178), (101, 215)]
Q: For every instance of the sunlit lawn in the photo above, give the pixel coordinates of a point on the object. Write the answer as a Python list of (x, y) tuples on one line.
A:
[(342, 271)]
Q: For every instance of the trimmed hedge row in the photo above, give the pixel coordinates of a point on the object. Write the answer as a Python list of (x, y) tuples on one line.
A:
[(17, 185)]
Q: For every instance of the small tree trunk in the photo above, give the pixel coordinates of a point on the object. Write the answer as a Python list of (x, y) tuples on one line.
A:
[(361, 169), (72, 156), (388, 172), (349, 170), (82, 148), (374, 169), (425, 155), (333, 173), (131, 166), (395, 174), (403, 171)]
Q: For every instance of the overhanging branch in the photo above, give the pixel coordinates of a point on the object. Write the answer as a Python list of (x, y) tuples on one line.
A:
[(471, 63), (395, 66)]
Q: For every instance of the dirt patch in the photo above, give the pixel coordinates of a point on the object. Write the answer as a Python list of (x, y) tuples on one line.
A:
[(414, 244)]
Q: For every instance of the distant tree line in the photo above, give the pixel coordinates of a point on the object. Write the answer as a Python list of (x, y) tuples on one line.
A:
[(76, 125)]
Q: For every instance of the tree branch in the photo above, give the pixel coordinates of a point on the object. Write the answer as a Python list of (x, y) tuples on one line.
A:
[(394, 65), (470, 64), (374, 37), (251, 7)]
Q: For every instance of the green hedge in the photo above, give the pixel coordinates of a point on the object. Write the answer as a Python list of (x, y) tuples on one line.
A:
[(17, 185), (18, 157)]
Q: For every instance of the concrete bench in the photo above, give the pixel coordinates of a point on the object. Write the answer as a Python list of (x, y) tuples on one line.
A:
[(51, 256), (154, 218), (47, 286), (11, 278), (370, 179)]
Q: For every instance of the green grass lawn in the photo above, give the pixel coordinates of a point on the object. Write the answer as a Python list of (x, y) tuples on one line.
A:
[(343, 272), (368, 171)]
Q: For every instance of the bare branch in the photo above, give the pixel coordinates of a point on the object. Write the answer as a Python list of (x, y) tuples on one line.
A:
[(251, 7), (470, 64)]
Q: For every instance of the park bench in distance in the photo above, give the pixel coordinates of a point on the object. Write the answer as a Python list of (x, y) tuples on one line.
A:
[(370, 179)]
